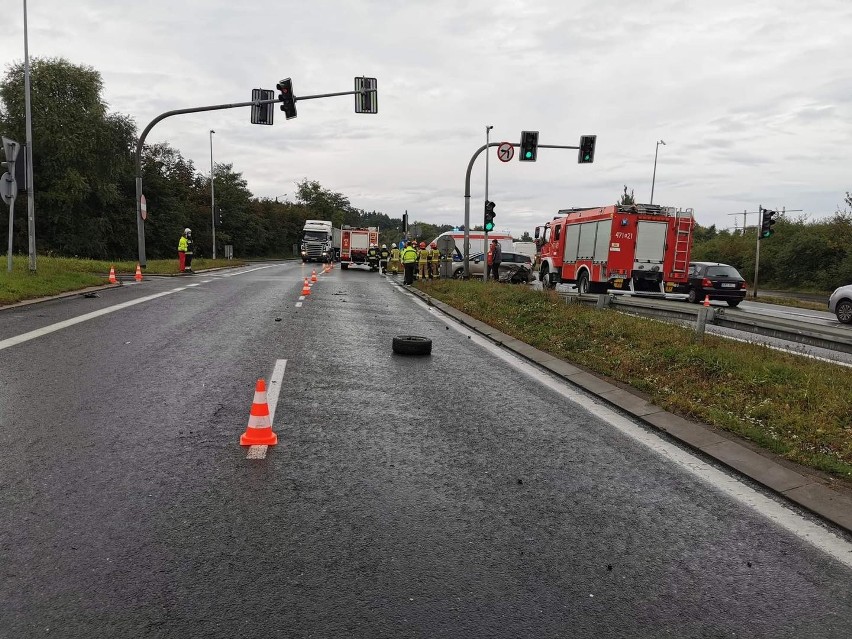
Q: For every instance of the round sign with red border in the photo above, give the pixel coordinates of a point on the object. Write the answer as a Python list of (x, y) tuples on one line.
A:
[(505, 151)]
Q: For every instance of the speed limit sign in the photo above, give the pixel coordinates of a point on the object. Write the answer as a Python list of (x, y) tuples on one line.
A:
[(505, 151)]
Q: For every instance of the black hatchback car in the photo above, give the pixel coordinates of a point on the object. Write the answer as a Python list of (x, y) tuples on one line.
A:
[(719, 281)]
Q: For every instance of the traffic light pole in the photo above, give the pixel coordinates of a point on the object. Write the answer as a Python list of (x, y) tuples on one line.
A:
[(467, 195), (140, 223), (756, 261)]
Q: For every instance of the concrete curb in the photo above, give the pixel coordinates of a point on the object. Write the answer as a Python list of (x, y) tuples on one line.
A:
[(59, 296), (792, 481)]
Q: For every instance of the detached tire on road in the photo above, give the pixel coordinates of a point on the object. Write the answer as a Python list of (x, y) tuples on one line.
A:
[(412, 345)]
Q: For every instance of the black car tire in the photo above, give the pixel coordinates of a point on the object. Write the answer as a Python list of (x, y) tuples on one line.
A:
[(458, 273), (843, 310), (733, 303), (692, 296), (583, 283), (344, 266), (412, 345)]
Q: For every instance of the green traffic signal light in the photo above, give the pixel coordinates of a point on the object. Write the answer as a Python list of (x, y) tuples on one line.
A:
[(528, 154), (489, 226)]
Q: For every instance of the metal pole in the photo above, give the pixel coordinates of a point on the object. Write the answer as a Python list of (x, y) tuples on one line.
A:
[(212, 197), (29, 154), (757, 249), (485, 230), (467, 194), (11, 230), (654, 178)]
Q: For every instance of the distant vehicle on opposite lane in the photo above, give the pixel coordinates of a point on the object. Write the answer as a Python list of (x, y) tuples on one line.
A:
[(718, 281), (840, 303)]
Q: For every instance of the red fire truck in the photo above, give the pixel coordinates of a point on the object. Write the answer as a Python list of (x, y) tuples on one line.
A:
[(637, 247), (351, 244)]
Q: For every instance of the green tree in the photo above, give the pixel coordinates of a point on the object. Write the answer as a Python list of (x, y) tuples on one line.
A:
[(625, 199), (82, 161)]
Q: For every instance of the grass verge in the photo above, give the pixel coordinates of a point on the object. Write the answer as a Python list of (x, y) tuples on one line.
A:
[(798, 408), (56, 275)]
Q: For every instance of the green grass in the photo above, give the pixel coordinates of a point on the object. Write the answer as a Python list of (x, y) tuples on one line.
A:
[(55, 275), (798, 408)]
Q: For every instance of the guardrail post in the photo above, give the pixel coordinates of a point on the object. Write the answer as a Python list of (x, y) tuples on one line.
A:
[(700, 322), (603, 301)]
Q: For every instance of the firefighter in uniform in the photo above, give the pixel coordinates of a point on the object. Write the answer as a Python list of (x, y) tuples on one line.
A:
[(436, 262), (384, 254), (409, 261), (373, 257), (393, 265), (423, 260)]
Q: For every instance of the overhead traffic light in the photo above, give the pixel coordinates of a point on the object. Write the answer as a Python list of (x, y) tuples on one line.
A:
[(489, 215), (587, 149), (288, 101), (767, 221), (529, 146)]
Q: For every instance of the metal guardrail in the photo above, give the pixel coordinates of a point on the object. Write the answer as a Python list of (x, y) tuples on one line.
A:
[(792, 330)]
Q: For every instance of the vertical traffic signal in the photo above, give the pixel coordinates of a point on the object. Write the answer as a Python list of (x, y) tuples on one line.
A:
[(529, 146), (767, 221), (288, 100), (587, 149), (489, 216)]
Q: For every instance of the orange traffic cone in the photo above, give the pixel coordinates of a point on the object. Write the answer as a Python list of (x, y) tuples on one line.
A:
[(306, 289), (706, 300), (138, 276), (259, 429), (112, 279), (314, 275)]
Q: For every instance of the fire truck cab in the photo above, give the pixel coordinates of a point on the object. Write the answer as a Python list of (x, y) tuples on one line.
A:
[(637, 247)]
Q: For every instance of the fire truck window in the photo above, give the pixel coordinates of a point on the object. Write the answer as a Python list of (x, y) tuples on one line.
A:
[(558, 232), (546, 236)]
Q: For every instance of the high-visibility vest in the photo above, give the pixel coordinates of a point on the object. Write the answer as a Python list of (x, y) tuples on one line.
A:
[(436, 256), (409, 255), (395, 254), (182, 244), (423, 256)]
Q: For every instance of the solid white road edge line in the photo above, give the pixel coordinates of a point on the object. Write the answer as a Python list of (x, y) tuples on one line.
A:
[(808, 531), (273, 390)]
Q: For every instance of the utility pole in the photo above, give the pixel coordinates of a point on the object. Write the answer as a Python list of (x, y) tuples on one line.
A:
[(29, 155)]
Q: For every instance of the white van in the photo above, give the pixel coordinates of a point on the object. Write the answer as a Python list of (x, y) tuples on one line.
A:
[(477, 242)]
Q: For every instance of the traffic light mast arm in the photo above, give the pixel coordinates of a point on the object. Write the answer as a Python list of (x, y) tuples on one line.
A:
[(140, 224)]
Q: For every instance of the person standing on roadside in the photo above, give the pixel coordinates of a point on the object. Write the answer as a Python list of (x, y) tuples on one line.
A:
[(189, 251), (384, 255), (393, 265), (182, 245), (495, 256), (423, 259), (409, 262), (436, 262)]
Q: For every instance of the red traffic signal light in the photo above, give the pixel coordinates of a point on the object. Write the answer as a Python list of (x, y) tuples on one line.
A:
[(288, 100)]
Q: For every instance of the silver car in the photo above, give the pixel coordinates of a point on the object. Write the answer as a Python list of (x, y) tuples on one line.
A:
[(840, 303), (508, 267)]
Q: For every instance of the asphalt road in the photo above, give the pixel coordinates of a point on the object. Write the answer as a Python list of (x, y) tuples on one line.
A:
[(445, 496)]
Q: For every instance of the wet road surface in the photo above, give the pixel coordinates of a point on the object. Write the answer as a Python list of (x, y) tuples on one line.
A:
[(444, 496)]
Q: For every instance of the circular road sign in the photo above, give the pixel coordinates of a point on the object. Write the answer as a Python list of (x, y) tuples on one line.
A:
[(143, 208), (505, 151)]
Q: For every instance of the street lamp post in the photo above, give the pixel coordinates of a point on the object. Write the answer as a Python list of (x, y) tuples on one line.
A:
[(485, 230), (212, 196), (654, 179), (29, 157)]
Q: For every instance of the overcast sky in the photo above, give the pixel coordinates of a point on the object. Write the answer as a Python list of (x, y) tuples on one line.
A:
[(751, 98)]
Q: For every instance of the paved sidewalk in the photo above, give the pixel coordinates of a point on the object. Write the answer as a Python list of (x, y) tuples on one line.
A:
[(792, 481)]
